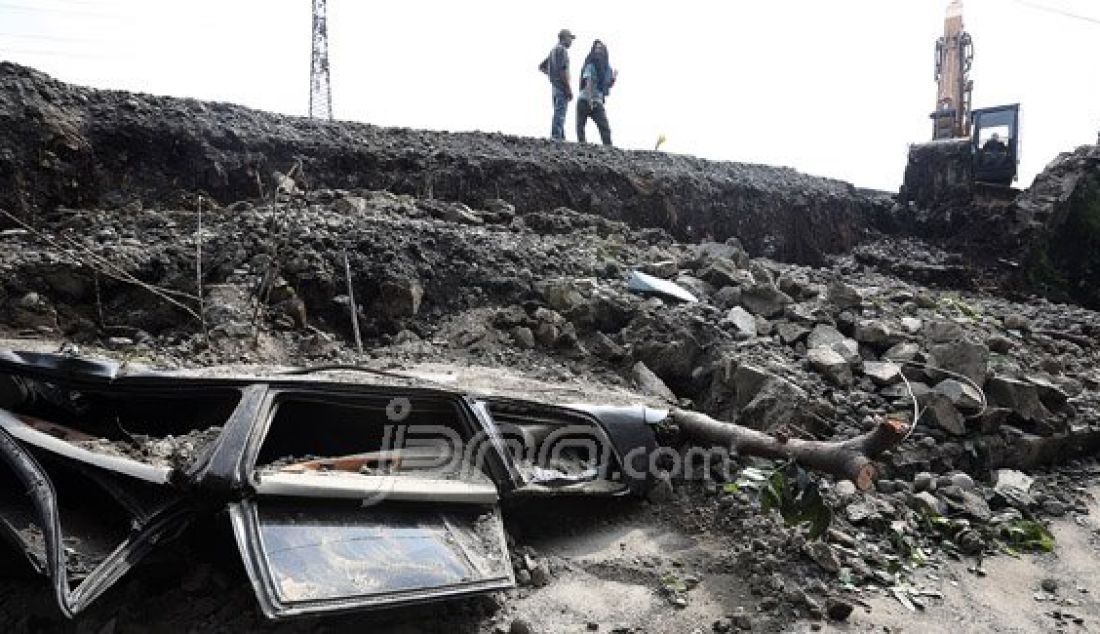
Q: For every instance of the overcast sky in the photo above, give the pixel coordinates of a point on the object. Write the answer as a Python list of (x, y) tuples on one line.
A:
[(835, 88)]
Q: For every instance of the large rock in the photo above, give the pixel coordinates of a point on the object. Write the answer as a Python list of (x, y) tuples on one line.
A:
[(902, 352), (766, 401), (941, 412), (706, 252), (650, 383), (401, 297), (723, 272), (844, 296), (744, 324), (1022, 397), (1014, 487), (875, 332), (1052, 396), (882, 372), (765, 300), (791, 333), (825, 336), (961, 395), (964, 357), (831, 364)]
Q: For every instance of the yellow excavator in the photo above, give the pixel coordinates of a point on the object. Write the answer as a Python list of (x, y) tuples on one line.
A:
[(969, 146)]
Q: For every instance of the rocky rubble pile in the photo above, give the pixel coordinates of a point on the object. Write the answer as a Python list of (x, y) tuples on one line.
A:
[(65, 145), (1000, 387)]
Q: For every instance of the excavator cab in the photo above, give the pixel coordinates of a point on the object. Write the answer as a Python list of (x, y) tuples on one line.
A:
[(995, 144)]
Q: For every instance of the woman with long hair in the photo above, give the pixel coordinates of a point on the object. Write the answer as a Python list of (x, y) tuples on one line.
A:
[(597, 77)]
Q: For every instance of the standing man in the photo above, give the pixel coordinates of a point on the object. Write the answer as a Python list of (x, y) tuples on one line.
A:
[(557, 68)]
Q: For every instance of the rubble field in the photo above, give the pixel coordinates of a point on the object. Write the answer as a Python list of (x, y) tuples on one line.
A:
[(153, 232)]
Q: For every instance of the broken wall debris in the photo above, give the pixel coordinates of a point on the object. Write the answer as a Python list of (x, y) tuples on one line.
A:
[(70, 146)]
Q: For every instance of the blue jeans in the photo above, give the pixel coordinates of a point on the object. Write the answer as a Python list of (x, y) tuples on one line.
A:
[(557, 126)]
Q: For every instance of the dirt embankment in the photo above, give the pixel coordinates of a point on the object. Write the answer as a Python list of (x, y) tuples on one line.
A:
[(76, 147)]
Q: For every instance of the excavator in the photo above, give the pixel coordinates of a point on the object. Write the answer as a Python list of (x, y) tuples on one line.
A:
[(972, 148)]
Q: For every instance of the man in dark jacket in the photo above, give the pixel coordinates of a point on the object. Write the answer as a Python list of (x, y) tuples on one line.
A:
[(557, 68)]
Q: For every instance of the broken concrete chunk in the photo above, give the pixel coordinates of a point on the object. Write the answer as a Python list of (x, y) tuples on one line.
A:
[(727, 297), (962, 395), (882, 372), (663, 269), (928, 503), (943, 331), (1000, 344), (902, 352), (1021, 397), (523, 337), (823, 555), (744, 324), (563, 296), (707, 252), (942, 413), (972, 506), (791, 333), (844, 296), (1016, 322), (831, 364), (1050, 394), (964, 357), (924, 481), (838, 609), (766, 401), (911, 325), (875, 332), (1014, 487), (825, 336), (650, 383), (723, 272), (401, 297), (765, 300)]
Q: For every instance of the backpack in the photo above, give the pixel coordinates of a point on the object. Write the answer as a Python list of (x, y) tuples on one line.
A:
[(544, 66)]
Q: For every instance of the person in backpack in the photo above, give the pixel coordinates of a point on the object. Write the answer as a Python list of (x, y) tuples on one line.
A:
[(597, 77), (556, 67)]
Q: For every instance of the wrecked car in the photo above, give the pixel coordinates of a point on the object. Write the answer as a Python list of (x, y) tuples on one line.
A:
[(341, 496)]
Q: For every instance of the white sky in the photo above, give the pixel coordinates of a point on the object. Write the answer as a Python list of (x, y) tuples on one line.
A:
[(831, 87)]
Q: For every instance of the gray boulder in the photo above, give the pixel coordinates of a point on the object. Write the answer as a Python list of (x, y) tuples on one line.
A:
[(844, 296), (1022, 397), (744, 324), (825, 336), (961, 395), (882, 372), (831, 364), (939, 411), (650, 383), (791, 333), (765, 300), (964, 357), (401, 297)]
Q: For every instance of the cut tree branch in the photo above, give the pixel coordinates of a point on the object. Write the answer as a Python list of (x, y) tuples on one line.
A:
[(851, 459)]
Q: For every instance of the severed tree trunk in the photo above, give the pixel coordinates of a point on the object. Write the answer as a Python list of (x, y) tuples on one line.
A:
[(851, 459)]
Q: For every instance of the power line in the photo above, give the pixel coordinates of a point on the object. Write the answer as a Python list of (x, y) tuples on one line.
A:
[(45, 38), (6, 52), (1057, 11), (57, 10)]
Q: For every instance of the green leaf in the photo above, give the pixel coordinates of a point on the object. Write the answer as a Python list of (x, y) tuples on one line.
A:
[(1028, 535)]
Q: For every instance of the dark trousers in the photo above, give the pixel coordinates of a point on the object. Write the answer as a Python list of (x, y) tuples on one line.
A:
[(598, 112)]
